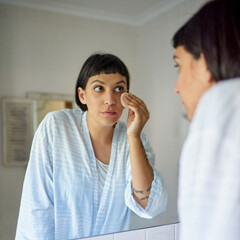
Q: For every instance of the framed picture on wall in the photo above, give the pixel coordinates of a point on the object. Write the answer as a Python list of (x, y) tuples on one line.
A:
[(18, 130), (47, 102), (21, 117)]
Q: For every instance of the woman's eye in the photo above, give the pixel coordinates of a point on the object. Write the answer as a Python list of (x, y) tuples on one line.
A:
[(119, 89), (98, 88)]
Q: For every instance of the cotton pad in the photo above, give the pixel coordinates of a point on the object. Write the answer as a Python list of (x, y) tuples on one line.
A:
[(123, 103)]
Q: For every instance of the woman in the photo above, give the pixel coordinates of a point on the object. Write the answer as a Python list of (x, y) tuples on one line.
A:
[(208, 59), (87, 169)]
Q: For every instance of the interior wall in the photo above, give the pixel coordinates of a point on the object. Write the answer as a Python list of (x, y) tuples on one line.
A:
[(44, 51)]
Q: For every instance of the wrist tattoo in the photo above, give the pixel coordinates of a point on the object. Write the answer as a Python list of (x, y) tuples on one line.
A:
[(141, 191), (149, 189), (137, 191), (144, 198)]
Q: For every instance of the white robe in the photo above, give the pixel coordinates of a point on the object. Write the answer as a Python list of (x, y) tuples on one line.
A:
[(61, 193), (209, 186)]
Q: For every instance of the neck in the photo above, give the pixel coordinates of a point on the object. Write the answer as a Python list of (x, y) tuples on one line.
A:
[(98, 132)]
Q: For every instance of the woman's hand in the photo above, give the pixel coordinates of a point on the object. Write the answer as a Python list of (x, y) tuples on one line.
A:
[(142, 172), (138, 114)]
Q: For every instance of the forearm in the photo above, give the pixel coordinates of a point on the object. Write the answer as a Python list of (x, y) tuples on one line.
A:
[(142, 173)]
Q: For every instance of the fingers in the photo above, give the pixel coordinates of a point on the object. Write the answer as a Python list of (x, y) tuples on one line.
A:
[(136, 104)]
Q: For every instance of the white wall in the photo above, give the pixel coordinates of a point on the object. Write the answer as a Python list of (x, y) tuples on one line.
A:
[(43, 51)]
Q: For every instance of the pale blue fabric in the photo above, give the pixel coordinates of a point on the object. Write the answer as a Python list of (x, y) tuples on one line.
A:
[(209, 183), (61, 198)]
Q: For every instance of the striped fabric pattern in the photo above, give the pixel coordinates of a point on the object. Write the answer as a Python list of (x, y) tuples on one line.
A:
[(61, 196), (209, 191)]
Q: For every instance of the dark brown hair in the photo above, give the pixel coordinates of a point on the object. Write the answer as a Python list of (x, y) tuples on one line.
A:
[(214, 31), (96, 64)]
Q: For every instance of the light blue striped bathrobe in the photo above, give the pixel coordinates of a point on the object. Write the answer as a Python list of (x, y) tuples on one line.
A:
[(61, 198)]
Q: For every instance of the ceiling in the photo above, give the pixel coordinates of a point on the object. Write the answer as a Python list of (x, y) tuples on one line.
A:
[(132, 12)]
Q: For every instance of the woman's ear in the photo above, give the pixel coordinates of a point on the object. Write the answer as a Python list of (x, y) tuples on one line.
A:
[(81, 95), (207, 76)]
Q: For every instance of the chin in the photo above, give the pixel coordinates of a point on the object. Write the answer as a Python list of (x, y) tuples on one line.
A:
[(189, 116), (110, 123)]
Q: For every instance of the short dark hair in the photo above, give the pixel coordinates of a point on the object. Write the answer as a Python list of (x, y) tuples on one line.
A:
[(97, 64), (214, 31)]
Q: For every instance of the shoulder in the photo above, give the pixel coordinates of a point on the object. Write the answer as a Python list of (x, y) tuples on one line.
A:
[(217, 116), (63, 116), (218, 104), (60, 119), (65, 113)]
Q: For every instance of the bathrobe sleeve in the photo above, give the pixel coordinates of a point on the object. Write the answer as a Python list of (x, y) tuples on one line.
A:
[(36, 215), (157, 201)]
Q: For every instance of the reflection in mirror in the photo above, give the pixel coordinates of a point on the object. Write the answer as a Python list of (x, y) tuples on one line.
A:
[(42, 49), (83, 190)]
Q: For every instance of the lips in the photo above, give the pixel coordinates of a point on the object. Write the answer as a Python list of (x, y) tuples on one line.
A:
[(109, 113)]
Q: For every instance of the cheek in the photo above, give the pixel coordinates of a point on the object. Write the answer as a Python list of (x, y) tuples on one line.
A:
[(93, 96), (181, 81), (186, 80), (121, 111), (92, 101)]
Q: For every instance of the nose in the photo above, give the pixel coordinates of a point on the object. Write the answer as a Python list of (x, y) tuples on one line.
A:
[(176, 89), (110, 98)]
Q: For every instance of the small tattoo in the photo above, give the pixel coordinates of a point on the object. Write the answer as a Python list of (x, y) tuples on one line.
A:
[(144, 198), (137, 191), (141, 191)]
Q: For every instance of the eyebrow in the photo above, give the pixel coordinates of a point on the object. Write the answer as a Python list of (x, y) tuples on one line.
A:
[(101, 82)]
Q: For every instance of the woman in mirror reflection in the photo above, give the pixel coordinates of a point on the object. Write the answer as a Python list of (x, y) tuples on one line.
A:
[(208, 59), (88, 170)]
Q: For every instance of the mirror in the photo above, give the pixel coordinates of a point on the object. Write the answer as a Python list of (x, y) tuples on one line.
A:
[(43, 49)]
